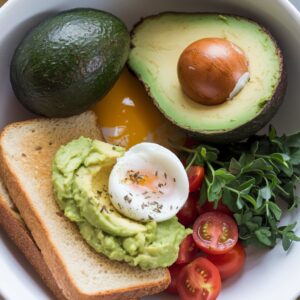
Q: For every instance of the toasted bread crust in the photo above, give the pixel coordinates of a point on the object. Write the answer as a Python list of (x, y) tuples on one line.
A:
[(16, 230), (18, 233), (41, 236)]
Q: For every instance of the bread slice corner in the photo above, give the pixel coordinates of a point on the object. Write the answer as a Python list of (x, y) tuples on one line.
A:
[(26, 153), (11, 222)]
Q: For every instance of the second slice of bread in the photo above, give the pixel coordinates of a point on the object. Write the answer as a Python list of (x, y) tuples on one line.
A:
[(14, 226), (26, 153)]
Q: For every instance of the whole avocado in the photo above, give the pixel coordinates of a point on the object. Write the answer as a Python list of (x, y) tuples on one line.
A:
[(69, 61)]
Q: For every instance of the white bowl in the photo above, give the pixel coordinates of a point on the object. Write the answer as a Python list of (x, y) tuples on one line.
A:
[(267, 275)]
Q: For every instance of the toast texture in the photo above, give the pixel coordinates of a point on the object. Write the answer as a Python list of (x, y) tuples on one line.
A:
[(11, 222), (26, 153)]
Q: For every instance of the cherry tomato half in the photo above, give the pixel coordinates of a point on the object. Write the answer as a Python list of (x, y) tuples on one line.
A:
[(209, 206), (215, 232), (187, 251), (196, 175), (199, 280), (231, 262), (188, 213), (174, 272)]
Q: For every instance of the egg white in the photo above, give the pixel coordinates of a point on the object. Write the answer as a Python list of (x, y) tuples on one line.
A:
[(159, 201)]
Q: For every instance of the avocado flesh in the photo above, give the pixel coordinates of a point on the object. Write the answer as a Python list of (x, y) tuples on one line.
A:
[(157, 43), (109, 219), (69, 61), (80, 176)]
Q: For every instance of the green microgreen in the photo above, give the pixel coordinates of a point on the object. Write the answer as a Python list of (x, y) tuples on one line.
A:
[(252, 177)]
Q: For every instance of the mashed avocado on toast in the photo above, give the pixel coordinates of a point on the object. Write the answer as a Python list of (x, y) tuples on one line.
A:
[(80, 178)]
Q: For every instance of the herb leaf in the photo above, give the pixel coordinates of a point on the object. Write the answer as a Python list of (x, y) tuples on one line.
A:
[(250, 176)]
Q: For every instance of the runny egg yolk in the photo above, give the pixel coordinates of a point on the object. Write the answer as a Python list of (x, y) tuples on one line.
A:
[(127, 116), (145, 181)]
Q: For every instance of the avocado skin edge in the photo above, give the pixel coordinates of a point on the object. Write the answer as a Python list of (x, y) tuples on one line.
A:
[(65, 77), (254, 125), (251, 127)]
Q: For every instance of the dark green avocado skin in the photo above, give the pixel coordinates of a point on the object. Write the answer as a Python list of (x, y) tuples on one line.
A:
[(69, 61)]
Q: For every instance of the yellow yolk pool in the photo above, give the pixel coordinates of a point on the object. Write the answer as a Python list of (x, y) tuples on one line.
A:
[(142, 179), (127, 116)]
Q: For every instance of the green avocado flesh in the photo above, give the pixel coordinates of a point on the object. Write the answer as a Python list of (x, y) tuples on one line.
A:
[(80, 179), (157, 43), (69, 61)]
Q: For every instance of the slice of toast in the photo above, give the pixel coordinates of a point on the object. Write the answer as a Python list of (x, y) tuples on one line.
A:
[(26, 153), (11, 222)]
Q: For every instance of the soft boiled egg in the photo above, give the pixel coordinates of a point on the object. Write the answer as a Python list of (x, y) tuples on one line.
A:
[(148, 183), (127, 116)]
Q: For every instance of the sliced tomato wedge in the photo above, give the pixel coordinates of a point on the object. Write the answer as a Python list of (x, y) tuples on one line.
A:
[(209, 206), (199, 280), (196, 175), (188, 213), (215, 233), (187, 251), (174, 272), (229, 263)]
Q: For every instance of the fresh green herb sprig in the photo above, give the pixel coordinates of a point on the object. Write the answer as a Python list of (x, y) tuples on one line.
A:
[(252, 177)]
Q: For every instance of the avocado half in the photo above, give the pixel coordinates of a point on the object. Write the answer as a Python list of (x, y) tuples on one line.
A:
[(157, 43)]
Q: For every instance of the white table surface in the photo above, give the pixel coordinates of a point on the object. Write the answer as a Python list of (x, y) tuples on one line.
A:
[(296, 3)]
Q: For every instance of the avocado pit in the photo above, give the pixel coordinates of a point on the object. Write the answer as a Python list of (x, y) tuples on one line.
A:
[(212, 70)]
